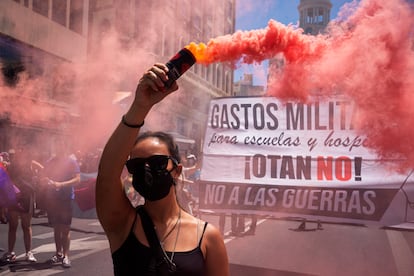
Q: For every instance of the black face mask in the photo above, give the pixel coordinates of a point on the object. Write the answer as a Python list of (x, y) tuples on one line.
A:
[(150, 177)]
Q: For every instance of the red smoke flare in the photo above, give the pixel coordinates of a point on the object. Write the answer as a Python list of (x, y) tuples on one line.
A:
[(258, 45), (368, 57)]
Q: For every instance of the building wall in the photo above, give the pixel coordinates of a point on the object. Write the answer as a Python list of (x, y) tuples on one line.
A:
[(182, 22), (162, 28), (38, 30), (36, 36), (314, 15), (245, 87)]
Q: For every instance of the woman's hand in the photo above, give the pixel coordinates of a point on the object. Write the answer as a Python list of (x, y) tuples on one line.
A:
[(151, 88)]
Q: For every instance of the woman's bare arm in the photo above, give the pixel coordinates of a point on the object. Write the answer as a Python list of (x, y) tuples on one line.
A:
[(216, 254), (113, 207)]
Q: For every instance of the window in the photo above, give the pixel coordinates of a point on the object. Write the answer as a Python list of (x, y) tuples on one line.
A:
[(195, 131), (229, 28), (41, 7), (76, 16), (229, 9), (214, 75), (195, 103), (11, 71), (208, 31), (185, 9), (59, 11), (181, 125), (203, 71), (228, 82), (197, 22), (219, 76), (168, 45), (320, 15), (123, 16), (208, 73), (309, 18)]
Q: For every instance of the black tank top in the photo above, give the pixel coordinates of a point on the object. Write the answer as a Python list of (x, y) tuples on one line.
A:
[(134, 258)]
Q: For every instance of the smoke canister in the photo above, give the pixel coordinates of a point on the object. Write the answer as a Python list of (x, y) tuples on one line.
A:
[(178, 64)]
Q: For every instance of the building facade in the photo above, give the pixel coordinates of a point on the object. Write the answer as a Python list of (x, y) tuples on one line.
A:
[(314, 15), (162, 28), (245, 87), (38, 36)]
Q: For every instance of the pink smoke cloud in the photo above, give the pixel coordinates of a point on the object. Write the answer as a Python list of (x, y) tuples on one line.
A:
[(367, 55)]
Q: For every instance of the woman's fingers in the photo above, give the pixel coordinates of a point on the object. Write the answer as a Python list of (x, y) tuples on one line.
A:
[(154, 80), (156, 76)]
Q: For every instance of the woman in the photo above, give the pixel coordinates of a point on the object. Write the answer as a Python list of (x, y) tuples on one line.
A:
[(190, 246), (20, 175)]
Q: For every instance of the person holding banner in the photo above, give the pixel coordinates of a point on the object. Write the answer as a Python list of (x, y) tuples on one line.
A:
[(159, 237)]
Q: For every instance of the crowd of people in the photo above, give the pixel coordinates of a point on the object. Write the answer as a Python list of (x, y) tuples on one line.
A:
[(31, 188), (45, 188), (152, 224)]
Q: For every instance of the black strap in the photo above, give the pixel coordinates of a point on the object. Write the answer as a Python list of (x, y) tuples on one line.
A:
[(149, 228), (163, 265), (202, 234)]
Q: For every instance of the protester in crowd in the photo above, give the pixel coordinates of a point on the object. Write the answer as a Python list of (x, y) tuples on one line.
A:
[(237, 225), (238, 222), (191, 172), (40, 189), (222, 222), (8, 191), (88, 160), (61, 173), (253, 224), (187, 189), (190, 167), (186, 244), (20, 175), (133, 196)]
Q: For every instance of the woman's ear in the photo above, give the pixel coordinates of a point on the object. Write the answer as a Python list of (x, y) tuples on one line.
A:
[(177, 170)]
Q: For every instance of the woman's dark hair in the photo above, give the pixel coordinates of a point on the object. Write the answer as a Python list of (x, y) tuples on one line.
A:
[(166, 138)]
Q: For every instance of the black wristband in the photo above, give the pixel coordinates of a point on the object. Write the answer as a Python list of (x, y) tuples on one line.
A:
[(131, 125)]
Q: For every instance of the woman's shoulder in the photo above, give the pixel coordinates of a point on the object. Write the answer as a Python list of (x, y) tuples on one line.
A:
[(205, 229), (211, 231)]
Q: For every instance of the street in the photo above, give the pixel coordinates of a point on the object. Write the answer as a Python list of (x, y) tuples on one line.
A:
[(89, 250), (279, 247)]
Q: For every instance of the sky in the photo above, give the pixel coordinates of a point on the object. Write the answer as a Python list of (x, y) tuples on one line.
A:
[(255, 14)]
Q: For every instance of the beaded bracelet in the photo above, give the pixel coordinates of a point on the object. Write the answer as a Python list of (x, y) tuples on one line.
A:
[(131, 125)]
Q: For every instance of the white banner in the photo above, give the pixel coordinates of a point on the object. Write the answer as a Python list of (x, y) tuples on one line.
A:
[(264, 156)]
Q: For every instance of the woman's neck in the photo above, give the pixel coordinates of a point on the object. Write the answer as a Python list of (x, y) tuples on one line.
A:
[(162, 211)]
